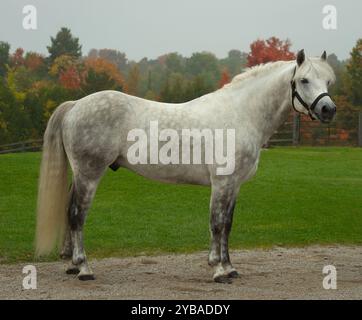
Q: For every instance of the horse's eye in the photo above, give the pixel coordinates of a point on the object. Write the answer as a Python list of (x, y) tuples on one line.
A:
[(328, 83), (305, 81)]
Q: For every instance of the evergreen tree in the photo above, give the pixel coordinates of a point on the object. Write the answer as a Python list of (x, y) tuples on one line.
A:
[(4, 57), (64, 44)]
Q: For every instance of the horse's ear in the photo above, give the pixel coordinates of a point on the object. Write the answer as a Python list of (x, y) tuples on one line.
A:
[(300, 57), (324, 55)]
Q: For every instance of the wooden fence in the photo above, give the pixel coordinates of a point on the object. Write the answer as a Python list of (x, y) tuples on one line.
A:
[(23, 146), (345, 130)]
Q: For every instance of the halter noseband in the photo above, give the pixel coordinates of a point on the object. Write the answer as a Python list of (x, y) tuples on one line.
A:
[(295, 94)]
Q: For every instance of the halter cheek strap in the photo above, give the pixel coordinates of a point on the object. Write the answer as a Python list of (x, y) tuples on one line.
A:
[(295, 94)]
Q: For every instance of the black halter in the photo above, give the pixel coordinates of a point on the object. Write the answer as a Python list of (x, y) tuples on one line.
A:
[(295, 94)]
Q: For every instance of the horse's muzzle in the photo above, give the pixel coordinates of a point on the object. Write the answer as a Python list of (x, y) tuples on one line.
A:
[(325, 111)]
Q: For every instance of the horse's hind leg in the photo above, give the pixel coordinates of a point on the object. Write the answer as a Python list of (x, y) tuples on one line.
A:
[(67, 250), (83, 192), (67, 254)]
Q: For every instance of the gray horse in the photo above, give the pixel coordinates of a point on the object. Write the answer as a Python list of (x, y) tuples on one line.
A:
[(93, 133)]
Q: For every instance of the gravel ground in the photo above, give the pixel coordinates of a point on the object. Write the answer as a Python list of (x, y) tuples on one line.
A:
[(278, 273)]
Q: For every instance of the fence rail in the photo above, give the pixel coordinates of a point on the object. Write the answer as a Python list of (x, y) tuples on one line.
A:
[(23, 146), (345, 130)]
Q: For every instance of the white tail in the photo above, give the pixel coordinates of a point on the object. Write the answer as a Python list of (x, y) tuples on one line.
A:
[(53, 183)]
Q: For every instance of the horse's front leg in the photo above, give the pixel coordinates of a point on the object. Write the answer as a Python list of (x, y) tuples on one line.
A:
[(224, 248), (221, 214)]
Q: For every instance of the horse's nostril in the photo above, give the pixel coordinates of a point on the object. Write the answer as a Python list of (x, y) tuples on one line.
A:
[(325, 110)]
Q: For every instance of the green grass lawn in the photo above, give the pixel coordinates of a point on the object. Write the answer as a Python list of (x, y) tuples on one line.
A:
[(299, 196)]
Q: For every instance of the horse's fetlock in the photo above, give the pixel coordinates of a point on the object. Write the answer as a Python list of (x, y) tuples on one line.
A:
[(79, 259)]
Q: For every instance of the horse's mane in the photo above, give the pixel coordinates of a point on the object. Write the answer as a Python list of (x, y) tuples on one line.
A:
[(253, 72)]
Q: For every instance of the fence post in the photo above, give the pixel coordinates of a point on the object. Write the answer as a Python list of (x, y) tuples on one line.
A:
[(296, 129), (360, 129)]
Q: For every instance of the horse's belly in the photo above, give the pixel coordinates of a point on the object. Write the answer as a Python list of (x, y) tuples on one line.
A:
[(183, 174)]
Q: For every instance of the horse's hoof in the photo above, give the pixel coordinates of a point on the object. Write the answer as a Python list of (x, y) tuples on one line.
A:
[(222, 279), (72, 270), (234, 274), (86, 277)]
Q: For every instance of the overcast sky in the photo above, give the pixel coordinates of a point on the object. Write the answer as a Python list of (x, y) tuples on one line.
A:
[(149, 28)]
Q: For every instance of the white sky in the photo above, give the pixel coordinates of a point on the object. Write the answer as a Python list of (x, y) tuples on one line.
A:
[(142, 28)]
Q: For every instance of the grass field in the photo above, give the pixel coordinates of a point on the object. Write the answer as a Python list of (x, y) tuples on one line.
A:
[(299, 196)]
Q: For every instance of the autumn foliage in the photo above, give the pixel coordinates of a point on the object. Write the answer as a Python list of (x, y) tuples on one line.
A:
[(272, 49), (34, 61), (32, 85), (102, 66), (225, 78), (70, 78), (17, 58)]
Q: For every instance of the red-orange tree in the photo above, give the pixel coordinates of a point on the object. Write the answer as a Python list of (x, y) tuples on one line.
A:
[(101, 74), (272, 49), (17, 58), (225, 78), (70, 78)]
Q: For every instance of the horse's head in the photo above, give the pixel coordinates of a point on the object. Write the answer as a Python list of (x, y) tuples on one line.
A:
[(310, 87)]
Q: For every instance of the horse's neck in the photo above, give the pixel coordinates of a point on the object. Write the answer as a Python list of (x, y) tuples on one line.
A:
[(268, 101)]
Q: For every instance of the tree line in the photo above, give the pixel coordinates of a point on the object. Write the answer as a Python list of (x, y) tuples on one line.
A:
[(32, 85)]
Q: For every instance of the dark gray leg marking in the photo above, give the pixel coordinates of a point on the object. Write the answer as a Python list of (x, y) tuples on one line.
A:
[(80, 201), (76, 214), (215, 230), (67, 250), (228, 220), (222, 208)]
